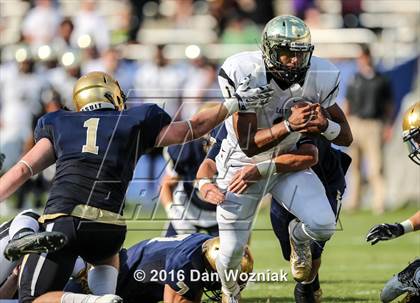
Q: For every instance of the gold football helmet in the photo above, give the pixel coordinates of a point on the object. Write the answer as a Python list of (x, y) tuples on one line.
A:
[(411, 131), (98, 90), (210, 250), (287, 49)]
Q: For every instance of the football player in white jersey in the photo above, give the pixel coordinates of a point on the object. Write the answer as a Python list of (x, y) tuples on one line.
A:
[(304, 88)]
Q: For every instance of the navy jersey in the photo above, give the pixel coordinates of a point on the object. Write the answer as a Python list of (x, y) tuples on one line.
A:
[(161, 260), (185, 160), (96, 153), (218, 134), (331, 167)]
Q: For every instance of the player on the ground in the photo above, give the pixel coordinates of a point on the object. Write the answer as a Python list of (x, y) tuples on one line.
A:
[(302, 84), (95, 150), (408, 280), (171, 269), (26, 231)]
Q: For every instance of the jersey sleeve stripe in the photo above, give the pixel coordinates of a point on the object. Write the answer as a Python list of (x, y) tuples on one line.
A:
[(223, 74), (331, 93)]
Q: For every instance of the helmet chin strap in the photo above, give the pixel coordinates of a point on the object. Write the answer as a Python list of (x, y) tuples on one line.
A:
[(96, 106)]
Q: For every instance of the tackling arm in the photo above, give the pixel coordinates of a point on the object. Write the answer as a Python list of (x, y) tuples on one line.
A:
[(208, 190), (304, 157), (37, 159), (168, 185), (199, 125)]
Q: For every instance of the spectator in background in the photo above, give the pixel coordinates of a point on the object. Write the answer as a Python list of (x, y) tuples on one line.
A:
[(112, 63), (160, 82), (62, 41), (39, 184), (41, 23), (241, 30), (20, 100), (63, 78), (89, 22), (300, 7), (369, 107), (201, 86)]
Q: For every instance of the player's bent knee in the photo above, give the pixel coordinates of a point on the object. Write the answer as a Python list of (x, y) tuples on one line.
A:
[(321, 232)]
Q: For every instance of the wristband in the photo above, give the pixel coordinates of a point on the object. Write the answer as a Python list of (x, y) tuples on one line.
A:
[(287, 126), (408, 226), (266, 168), (203, 182), (332, 131), (28, 166)]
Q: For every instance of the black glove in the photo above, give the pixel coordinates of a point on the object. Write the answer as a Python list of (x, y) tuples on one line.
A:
[(383, 232), (2, 157)]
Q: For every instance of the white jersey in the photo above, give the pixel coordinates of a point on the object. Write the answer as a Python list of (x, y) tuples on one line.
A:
[(320, 85)]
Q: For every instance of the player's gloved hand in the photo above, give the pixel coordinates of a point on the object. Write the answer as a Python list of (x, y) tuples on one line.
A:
[(246, 97), (383, 232), (2, 157)]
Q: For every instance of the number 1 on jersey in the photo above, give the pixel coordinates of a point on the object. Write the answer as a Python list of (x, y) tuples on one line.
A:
[(92, 128)]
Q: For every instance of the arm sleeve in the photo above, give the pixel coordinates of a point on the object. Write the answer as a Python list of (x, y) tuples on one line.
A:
[(43, 130), (305, 140), (156, 119)]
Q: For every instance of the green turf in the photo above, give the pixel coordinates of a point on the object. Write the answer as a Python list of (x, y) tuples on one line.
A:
[(352, 270)]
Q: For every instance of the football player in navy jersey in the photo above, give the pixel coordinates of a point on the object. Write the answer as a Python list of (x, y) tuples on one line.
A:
[(406, 281), (331, 168), (186, 210), (29, 238), (170, 269), (95, 150)]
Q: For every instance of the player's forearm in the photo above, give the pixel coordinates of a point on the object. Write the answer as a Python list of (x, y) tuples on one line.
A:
[(9, 288), (303, 158), (266, 138), (166, 192), (13, 179), (345, 138), (204, 121), (415, 220), (207, 170)]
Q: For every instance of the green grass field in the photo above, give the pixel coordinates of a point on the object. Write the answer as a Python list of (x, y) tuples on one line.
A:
[(352, 270)]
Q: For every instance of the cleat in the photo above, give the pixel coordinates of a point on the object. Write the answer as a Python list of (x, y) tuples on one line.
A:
[(318, 295), (109, 299), (407, 281), (43, 242), (409, 298), (304, 293), (300, 257)]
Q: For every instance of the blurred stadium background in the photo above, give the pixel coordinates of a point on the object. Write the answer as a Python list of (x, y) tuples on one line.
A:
[(176, 46)]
